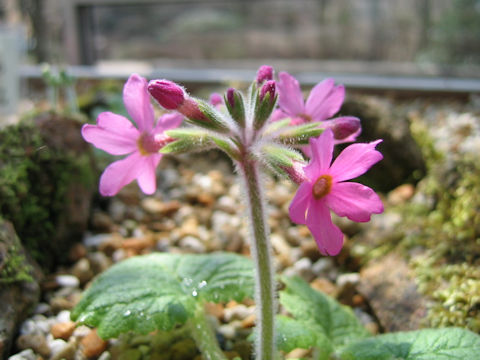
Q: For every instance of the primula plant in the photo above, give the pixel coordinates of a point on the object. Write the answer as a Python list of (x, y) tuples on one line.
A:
[(270, 128)]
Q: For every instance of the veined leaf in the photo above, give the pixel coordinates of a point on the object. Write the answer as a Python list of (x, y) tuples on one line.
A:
[(428, 344), (161, 290), (321, 312)]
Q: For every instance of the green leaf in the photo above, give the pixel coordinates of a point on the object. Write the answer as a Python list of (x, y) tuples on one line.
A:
[(428, 344), (292, 334), (321, 313), (160, 290)]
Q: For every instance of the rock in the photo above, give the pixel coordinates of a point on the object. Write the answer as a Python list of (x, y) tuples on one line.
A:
[(402, 158), (19, 285), (54, 181), (389, 287), (92, 345)]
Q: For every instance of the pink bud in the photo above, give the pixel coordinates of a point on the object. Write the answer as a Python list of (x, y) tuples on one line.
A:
[(216, 99), (268, 87), (167, 93), (264, 73), (295, 172), (231, 97), (345, 127)]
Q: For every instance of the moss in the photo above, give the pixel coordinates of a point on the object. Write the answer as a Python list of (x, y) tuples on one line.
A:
[(439, 232), (13, 263), (33, 182)]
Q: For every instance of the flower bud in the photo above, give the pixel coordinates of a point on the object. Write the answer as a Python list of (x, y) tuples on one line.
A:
[(168, 94), (345, 128), (235, 106), (216, 99), (268, 88), (264, 73), (296, 172)]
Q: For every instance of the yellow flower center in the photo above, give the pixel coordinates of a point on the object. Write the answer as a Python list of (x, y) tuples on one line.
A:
[(322, 186)]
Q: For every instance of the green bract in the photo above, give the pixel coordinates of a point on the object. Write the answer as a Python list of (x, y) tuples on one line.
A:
[(159, 291)]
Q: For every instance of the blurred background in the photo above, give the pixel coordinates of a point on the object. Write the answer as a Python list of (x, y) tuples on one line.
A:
[(409, 38)]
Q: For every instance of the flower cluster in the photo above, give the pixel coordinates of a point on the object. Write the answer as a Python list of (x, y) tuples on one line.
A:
[(268, 126)]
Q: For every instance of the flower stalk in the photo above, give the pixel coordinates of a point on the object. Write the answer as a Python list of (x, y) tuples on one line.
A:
[(262, 257)]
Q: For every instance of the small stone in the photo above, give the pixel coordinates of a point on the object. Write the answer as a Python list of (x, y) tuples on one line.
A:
[(99, 262), (81, 331), (323, 266), (137, 245), (27, 354), (63, 316), (42, 308), (310, 249), (37, 342), (92, 344), (214, 309), (324, 285), (401, 194), (82, 271), (227, 330), (67, 281), (227, 204), (193, 245), (77, 251), (239, 312), (62, 330), (64, 352), (101, 221), (348, 279), (303, 268), (94, 241), (249, 321)]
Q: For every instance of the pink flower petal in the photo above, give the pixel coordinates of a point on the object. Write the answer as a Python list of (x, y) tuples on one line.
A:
[(278, 114), (322, 150), (168, 121), (355, 160), (121, 173), (146, 178), (328, 236), (137, 102), (325, 100), (298, 206), (290, 95), (113, 133), (355, 201)]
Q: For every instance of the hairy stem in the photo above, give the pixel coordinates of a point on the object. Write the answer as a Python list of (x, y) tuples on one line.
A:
[(204, 336), (262, 257)]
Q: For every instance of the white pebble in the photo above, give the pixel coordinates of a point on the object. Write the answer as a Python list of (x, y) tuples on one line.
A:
[(67, 281), (24, 355)]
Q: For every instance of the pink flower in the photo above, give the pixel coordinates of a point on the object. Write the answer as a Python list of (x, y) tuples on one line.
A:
[(116, 135), (324, 101), (324, 189)]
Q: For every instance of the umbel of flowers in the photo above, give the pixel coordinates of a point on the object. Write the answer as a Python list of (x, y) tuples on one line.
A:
[(271, 127)]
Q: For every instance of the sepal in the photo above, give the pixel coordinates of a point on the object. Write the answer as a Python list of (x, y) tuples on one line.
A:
[(235, 106), (300, 134)]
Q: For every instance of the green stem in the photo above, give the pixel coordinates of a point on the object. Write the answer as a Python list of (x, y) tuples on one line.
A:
[(262, 257), (204, 336)]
